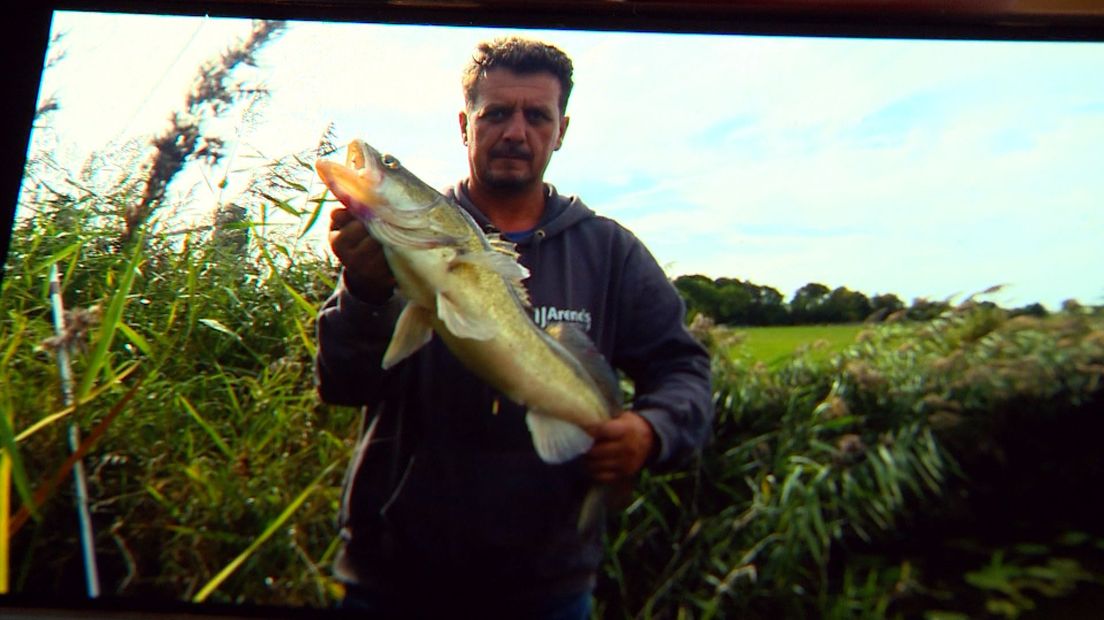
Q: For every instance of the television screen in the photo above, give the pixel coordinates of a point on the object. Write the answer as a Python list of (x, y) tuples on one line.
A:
[(885, 228)]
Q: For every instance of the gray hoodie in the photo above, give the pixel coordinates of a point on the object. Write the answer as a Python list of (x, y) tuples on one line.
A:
[(440, 490)]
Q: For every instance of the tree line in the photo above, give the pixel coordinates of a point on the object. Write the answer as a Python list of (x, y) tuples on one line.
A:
[(731, 301)]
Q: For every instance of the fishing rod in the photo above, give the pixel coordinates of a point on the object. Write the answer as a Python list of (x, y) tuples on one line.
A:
[(80, 481)]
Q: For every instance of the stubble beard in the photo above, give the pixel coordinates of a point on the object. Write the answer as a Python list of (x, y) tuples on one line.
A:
[(510, 183)]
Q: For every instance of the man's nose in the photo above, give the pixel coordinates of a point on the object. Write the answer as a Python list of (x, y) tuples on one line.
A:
[(515, 127)]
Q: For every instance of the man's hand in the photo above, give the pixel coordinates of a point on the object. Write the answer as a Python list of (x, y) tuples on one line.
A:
[(367, 273), (621, 447)]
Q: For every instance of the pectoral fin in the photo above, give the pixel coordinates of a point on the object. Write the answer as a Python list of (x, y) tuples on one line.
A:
[(464, 324), (557, 441), (412, 331)]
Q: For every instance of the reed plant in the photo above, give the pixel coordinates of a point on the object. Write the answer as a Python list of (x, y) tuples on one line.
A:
[(212, 465), (223, 435), (881, 481)]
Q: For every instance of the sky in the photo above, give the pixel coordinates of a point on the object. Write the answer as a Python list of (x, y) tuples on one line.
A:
[(931, 169)]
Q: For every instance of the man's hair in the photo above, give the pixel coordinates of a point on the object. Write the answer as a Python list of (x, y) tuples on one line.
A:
[(522, 56)]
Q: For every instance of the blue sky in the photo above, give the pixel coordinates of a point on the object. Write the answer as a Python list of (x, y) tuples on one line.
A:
[(921, 168)]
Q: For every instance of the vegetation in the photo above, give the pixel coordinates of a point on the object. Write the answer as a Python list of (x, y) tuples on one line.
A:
[(776, 345), (212, 468), (208, 355), (729, 301), (937, 469), (941, 464)]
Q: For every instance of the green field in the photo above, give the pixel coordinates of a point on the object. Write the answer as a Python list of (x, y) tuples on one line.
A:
[(772, 344)]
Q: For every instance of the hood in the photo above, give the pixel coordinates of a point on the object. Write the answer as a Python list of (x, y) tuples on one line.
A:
[(560, 212)]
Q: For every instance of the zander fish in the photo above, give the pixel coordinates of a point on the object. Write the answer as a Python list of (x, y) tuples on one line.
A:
[(466, 287)]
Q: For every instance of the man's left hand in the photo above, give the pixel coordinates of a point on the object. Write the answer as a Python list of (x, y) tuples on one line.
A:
[(621, 447)]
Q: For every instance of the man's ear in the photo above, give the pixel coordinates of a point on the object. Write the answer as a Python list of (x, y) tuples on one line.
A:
[(563, 131), (463, 118)]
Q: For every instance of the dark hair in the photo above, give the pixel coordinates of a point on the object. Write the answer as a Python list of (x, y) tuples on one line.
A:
[(522, 56)]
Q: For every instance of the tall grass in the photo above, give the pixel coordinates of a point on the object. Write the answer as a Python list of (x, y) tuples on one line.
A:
[(212, 466), (840, 486), (223, 435)]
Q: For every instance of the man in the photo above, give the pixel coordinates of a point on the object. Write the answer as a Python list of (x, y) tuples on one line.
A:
[(447, 507)]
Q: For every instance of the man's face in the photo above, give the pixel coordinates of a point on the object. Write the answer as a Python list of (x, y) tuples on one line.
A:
[(512, 128)]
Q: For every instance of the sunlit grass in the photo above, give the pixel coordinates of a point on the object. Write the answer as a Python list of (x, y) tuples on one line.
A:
[(773, 344)]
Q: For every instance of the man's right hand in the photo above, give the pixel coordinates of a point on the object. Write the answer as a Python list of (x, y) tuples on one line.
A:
[(367, 274)]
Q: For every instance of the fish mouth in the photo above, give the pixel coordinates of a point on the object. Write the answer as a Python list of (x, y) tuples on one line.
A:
[(356, 188)]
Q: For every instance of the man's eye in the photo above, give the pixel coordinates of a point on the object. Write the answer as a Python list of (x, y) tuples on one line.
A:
[(535, 116)]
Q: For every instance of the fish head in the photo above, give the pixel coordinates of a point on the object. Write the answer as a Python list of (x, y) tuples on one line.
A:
[(370, 181)]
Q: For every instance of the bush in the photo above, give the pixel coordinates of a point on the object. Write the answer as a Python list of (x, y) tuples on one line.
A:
[(832, 487)]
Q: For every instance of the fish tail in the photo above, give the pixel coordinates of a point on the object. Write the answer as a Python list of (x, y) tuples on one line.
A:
[(593, 511), (599, 500)]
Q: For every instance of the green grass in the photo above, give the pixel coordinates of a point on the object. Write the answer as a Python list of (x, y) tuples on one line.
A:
[(771, 345)]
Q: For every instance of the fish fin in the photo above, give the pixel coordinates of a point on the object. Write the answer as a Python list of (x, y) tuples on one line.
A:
[(581, 347), (500, 244), (557, 441), (522, 294), (600, 499), (412, 331), (502, 264), (463, 324), (593, 510)]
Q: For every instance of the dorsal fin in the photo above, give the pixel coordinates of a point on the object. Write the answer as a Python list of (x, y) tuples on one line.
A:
[(509, 248), (499, 244), (522, 293), (504, 264), (573, 338)]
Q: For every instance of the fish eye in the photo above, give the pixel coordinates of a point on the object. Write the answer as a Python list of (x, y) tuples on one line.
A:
[(390, 161)]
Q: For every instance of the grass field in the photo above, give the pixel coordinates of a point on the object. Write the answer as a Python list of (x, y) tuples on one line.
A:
[(772, 344)]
